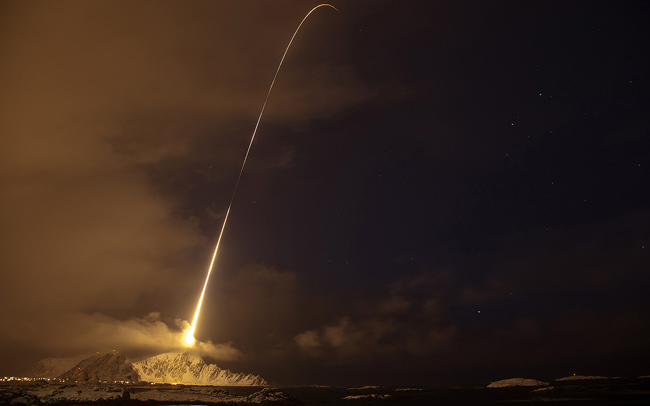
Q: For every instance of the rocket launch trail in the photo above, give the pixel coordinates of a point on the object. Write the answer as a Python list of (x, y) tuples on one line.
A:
[(189, 335)]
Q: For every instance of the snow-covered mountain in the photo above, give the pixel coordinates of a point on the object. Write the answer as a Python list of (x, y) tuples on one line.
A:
[(50, 367), (190, 369), (112, 367), (184, 368)]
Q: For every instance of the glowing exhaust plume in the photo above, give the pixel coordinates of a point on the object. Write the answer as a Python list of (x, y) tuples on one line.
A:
[(189, 334)]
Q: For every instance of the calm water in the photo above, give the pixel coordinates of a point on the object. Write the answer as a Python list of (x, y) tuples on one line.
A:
[(610, 392)]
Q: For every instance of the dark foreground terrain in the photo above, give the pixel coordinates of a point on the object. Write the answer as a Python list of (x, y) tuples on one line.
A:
[(597, 392)]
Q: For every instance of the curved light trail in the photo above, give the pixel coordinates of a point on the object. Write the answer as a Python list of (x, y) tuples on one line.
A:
[(189, 335)]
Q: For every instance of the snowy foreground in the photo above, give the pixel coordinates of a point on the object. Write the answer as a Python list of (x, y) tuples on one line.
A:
[(594, 392), (49, 394)]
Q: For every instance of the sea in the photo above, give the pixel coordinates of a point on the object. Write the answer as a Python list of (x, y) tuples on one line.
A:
[(587, 393)]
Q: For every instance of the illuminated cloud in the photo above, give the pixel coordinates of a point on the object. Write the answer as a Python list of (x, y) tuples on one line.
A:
[(308, 340), (80, 333)]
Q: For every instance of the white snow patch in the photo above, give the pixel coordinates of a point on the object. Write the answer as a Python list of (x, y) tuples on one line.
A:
[(513, 382), (546, 389), (372, 396), (271, 395), (584, 378)]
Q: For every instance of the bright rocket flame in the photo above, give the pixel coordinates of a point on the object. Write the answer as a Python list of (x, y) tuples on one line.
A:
[(189, 335)]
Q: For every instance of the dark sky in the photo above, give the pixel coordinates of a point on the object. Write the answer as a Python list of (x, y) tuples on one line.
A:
[(439, 191)]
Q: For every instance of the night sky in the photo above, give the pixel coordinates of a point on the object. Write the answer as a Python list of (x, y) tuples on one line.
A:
[(439, 191)]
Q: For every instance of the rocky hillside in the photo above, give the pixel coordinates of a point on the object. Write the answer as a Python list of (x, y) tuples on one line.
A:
[(111, 367), (50, 367)]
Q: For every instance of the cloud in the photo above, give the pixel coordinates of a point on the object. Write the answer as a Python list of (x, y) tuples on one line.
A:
[(105, 110), (349, 340), (308, 340), (320, 91), (393, 305), (490, 290), (410, 322), (137, 337), (256, 299)]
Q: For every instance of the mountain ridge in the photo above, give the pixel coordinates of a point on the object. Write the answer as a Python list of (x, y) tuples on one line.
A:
[(51, 367), (111, 367), (173, 367), (191, 369)]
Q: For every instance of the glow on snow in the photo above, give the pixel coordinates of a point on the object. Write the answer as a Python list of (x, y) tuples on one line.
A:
[(189, 334)]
